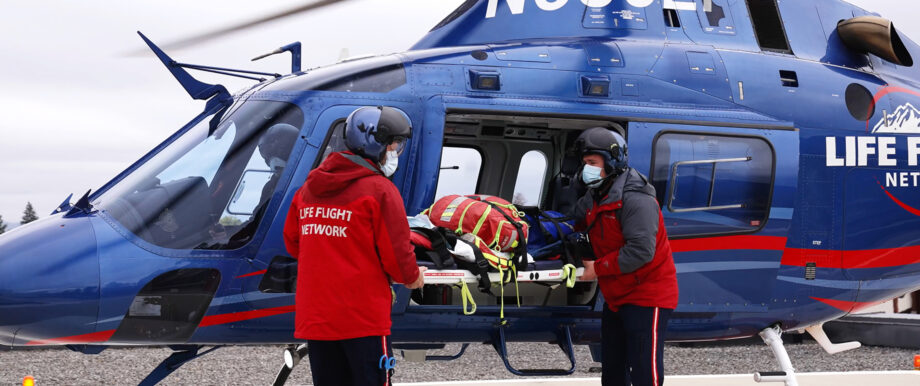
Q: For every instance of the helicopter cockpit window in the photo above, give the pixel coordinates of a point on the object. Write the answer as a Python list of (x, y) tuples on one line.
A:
[(209, 190)]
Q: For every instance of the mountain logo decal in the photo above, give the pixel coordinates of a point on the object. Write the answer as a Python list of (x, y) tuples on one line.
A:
[(904, 120)]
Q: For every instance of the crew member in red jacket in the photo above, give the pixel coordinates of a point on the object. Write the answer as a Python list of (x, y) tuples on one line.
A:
[(347, 228), (634, 267)]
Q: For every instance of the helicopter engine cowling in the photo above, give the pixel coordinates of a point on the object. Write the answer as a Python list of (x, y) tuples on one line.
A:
[(877, 36)]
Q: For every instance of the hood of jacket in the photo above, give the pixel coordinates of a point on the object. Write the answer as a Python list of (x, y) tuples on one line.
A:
[(337, 172)]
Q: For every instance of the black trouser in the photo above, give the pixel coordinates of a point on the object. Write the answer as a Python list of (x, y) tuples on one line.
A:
[(350, 362), (632, 345)]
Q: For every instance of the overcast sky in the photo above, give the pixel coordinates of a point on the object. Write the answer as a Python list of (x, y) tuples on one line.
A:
[(75, 109)]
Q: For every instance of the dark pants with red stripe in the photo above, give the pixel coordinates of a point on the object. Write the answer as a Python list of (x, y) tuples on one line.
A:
[(350, 361), (632, 345)]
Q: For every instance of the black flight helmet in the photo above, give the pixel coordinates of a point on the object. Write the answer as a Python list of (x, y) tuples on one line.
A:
[(606, 143), (276, 144)]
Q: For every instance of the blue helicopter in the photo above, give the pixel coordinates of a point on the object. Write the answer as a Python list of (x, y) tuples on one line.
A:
[(781, 137)]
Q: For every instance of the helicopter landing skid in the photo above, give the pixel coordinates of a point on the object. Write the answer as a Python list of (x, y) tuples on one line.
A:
[(772, 336)]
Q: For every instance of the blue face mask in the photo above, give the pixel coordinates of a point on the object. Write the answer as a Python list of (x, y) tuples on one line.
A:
[(591, 175)]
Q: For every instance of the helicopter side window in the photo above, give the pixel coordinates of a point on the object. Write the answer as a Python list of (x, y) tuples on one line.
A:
[(209, 189), (335, 141), (768, 26), (460, 171), (713, 184), (528, 188)]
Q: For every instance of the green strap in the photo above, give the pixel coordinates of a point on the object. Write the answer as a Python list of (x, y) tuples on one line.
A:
[(498, 235), (462, 216), (466, 296), (482, 220), (568, 271), (501, 284)]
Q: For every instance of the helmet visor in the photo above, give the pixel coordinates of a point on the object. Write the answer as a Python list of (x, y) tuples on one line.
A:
[(397, 144)]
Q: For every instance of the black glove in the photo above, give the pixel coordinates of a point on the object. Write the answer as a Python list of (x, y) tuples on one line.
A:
[(580, 246)]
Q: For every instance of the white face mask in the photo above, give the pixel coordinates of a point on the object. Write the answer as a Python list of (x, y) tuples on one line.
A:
[(591, 175), (389, 167)]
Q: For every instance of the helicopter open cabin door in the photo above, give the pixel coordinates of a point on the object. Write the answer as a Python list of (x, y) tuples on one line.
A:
[(726, 197)]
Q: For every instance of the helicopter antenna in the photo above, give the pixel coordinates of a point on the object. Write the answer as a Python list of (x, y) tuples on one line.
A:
[(294, 48)]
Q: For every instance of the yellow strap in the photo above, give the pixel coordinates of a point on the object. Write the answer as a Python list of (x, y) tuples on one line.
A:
[(568, 271), (501, 284), (498, 235), (393, 295), (466, 296), (482, 220)]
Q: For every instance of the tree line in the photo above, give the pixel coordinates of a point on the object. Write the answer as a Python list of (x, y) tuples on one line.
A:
[(28, 215)]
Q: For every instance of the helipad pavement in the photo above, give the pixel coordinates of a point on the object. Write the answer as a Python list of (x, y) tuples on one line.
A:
[(895, 378)]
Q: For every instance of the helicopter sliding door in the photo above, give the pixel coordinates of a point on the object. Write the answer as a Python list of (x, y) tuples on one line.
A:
[(726, 196)]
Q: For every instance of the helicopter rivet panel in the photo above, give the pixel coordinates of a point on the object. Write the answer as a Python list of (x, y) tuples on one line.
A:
[(604, 54), (726, 25), (820, 87), (694, 68), (616, 16), (524, 53)]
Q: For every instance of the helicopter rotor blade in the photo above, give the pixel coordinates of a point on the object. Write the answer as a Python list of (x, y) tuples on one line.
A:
[(249, 24)]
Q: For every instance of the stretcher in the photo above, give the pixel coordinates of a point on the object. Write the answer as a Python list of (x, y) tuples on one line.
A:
[(454, 276)]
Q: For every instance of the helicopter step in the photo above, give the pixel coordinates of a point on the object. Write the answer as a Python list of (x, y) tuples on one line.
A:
[(563, 339), (772, 336)]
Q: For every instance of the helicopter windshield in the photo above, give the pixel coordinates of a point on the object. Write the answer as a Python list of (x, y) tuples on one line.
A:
[(209, 190)]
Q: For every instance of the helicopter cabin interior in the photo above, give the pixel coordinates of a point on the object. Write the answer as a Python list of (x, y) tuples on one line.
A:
[(526, 160)]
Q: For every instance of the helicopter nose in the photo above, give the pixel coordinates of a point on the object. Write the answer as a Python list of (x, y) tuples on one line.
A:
[(49, 281)]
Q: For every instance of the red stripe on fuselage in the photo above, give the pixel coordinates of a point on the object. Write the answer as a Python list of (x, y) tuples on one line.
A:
[(95, 337), (846, 306), (799, 257), (213, 320), (908, 208), (256, 273), (729, 242)]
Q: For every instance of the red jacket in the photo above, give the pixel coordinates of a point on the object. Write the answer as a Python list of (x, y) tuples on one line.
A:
[(626, 229), (347, 228)]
